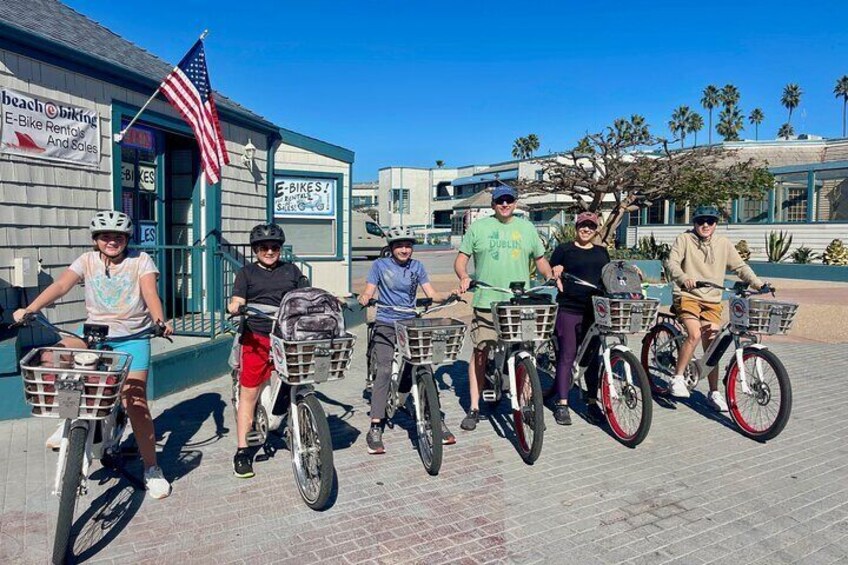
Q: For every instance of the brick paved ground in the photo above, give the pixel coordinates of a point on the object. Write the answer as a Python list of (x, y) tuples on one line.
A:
[(695, 492)]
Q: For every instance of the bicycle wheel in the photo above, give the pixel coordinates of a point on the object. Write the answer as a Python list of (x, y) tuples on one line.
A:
[(627, 401), (659, 356), (763, 411), (312, 454), (529, 418), (429, 427), (71, 479)]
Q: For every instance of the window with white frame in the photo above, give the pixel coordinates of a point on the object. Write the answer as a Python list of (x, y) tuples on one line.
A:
[(400, 200)]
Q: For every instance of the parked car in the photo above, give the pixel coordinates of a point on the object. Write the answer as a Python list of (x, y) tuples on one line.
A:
[(367, 238)]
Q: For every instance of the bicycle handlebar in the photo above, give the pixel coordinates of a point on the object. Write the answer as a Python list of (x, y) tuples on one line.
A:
[(744, 292), (516, 288), (422, 305), (155, 330), (245, 311)]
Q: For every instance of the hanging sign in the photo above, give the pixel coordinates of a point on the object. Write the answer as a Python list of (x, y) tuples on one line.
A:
[(44, 129), (298, 197)]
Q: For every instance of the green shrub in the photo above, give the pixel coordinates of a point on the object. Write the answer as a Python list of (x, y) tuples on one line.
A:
[(804, 255), (777, 245)]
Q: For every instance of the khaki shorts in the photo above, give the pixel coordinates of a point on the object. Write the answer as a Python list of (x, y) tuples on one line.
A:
[(483, 333), (695, 309)]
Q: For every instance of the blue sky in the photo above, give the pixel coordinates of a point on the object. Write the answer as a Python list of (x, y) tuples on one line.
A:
[(406, 83)]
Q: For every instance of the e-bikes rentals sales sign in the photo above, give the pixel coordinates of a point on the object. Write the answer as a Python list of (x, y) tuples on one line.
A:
[(37, 127)]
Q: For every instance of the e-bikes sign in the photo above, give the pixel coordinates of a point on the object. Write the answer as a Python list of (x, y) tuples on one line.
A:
[(41, 128), (298, 197)]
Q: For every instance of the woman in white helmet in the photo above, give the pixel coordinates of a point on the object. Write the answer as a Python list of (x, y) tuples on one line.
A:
[(121, 293)]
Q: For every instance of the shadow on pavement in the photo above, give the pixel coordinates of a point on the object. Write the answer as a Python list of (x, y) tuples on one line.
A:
[(344, 435), (180, 455), (104, 519)]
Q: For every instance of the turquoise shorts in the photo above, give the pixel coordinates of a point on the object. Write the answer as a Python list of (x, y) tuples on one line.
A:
[(138, 348)]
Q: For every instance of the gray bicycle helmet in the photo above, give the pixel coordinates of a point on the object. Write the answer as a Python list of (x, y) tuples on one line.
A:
[(267, 232), (111, 221), (400, 234)]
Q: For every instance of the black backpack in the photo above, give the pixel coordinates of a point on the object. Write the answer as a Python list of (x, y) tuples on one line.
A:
[(621, 280), (310, 313)]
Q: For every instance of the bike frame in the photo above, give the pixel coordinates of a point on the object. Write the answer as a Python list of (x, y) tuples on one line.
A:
[(703, 365), (605, 352)]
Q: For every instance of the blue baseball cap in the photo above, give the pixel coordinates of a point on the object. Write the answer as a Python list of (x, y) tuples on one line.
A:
[(504, 190)]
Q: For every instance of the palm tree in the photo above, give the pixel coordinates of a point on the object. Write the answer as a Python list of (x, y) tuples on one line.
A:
[(695, 124), (786, 131), (440, 163), (791, 98), (519, 148), (730, 123), (841, 89), (756, 118), (532, 144), (729, 95), (679, 122), (709, 101)]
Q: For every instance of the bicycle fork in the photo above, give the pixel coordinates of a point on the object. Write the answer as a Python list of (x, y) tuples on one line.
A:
[(63, 455)]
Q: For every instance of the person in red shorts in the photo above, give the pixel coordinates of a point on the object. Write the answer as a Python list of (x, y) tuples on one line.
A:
[(263, 283)]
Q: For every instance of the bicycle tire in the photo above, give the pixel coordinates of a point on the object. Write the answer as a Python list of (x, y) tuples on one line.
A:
[(312, 460), (71, 479), (430, 429), (632, 399), (660, 349), (764, 396), (529, 419)]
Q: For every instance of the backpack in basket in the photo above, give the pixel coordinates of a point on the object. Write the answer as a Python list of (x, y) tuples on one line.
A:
[(621, 280), (310, 313)]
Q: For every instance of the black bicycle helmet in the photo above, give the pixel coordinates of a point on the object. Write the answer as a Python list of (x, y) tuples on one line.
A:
[(267, 232)]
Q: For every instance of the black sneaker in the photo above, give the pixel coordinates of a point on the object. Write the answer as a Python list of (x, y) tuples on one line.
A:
[(595, 414), (243, 464), (469, 423), (562, 415), (374, 439)]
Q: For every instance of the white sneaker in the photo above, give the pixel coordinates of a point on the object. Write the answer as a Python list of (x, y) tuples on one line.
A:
[(678, 388), (156, 484), (716, 401), (55, 440)]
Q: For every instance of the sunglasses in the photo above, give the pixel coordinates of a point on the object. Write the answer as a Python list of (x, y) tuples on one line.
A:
[(707, 221), (587, 225), (505, 201), (271, 248)]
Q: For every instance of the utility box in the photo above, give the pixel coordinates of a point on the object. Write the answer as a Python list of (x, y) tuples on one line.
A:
[(25, 271)]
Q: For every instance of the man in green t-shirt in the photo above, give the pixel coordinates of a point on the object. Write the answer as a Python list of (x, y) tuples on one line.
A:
[(502, 246)]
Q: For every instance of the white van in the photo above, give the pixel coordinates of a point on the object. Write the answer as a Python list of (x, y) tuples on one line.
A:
[(366, 237)]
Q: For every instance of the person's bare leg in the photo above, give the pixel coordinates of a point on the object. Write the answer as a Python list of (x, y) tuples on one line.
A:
[(687, 348)]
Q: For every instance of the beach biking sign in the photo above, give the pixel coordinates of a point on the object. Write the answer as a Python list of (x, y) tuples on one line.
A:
[(298, 197)]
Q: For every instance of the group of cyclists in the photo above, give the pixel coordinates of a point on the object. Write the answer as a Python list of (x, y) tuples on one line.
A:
[(121, 292)]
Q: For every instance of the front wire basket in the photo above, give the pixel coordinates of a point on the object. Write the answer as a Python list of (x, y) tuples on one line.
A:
[(312, 361), (618, 315), (758, 315), (430, 341), (524, 323), (61, 390)]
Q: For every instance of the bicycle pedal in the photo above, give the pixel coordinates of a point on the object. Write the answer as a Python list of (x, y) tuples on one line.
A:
[(490, 396), (254, 439)]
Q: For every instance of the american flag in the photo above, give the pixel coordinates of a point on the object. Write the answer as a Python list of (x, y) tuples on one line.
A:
[(187, 89)]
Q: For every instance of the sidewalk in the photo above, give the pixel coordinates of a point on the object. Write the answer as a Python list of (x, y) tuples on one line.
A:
[(695, 492)]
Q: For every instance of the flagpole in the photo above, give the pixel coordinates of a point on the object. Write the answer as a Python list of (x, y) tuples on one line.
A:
[(120, 135)]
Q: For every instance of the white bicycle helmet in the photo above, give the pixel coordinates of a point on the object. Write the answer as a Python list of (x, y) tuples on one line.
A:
[(111, 221), (400, 234)]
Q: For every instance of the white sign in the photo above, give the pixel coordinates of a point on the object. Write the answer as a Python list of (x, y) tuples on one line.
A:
[(146, 176), (147, 234), (41, 128), (304, 197)]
